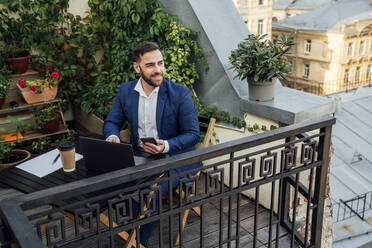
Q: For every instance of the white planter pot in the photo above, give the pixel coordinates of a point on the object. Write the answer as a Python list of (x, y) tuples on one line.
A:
[(261, 91)]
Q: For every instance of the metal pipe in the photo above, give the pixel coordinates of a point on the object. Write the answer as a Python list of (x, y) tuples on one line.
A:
[(296, 58)]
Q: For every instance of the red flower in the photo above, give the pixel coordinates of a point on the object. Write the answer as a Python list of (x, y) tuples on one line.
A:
[(22, 83), (73, 78), (47, 67), (33, 88), (54, 75)]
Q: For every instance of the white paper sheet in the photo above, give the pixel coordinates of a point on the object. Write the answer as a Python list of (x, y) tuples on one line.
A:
[(43, 165)]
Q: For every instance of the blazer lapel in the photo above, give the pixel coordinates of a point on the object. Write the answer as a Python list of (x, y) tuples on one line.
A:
[(162, 97), (134, 101)]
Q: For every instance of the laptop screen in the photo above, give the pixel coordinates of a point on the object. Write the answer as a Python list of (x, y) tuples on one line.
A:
[(103, 156)]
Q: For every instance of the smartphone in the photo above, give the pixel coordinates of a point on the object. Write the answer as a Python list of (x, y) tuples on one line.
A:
[(150, 140)]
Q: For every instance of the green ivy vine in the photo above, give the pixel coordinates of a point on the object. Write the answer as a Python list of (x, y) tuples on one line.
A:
[(94, 54)]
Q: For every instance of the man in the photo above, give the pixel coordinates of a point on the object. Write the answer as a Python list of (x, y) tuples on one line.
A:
[(154, 107)]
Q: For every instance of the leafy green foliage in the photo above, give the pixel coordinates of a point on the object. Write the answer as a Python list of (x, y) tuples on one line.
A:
[(256, 128), (70, 136), (213, 112), (116, 28), (260, 59), (5, 149), (45, 112), (16, 36), (20, 125), (43, 144), (4, 18), (4, 85), (110, 32), (40, 145)]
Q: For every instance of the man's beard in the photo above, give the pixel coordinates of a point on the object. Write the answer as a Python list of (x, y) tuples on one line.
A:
[(148, 80)]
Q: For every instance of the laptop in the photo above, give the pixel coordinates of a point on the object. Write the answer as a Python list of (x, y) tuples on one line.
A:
[(102, 156)]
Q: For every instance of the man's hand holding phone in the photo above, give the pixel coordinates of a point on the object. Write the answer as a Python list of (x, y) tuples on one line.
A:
[(153, 146)]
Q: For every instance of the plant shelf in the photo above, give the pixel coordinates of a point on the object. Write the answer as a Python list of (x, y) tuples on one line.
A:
[(6, 109), (27, 73), (34, 134), (31, 133)]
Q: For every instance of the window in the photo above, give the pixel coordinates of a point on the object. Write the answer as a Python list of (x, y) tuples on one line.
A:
[(357, 74), (290, 66), (361, 48), (260, 27), (244, 3), (346, 77), (350, 49), (368, 76), (306, 70), (260, 2), (307, 46)]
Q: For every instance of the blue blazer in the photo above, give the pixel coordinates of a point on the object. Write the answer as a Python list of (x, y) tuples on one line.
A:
[(176, 116)]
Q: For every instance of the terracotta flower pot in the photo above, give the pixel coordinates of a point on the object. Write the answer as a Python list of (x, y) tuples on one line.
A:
[(2, 100), (19, 65), (31, 97), (50, 126), (18, 153)]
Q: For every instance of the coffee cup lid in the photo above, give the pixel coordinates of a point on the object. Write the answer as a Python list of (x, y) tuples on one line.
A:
[(66, 146)]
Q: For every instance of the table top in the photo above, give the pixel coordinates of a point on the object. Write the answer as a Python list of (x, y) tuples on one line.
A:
[(28, 183)]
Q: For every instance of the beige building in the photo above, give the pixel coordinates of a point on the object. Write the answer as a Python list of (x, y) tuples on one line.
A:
[(333, 49), (257, 14), (286, 8)]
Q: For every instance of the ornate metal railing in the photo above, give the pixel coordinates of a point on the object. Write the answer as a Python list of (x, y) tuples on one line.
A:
[(356, 206), (279, 169)]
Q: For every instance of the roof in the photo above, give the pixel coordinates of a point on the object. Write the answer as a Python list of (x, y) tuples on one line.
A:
[(298, 4), (220, 29), (351, 163), (329, 17)]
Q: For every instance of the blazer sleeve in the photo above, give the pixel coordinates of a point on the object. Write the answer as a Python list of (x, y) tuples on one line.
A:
[(116, 117), (189, 133)]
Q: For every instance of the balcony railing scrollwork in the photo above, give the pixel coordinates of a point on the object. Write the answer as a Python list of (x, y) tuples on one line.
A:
[(282, 170)]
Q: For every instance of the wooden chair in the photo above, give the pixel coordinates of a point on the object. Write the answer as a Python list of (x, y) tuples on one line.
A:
[(206, 126)]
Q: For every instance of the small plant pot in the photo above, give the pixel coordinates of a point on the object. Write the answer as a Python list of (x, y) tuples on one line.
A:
[(261, 91), (2, 100), (16, 156), (31, 97), (19, 65), (50, 126)]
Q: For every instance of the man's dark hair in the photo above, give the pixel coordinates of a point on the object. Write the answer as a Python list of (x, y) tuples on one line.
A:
[(144, 47)]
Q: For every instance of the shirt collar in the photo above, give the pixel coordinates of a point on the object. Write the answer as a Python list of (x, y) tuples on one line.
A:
[(140, 90)]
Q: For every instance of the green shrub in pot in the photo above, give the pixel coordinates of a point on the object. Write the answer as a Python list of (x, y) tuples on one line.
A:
[(260, 60)]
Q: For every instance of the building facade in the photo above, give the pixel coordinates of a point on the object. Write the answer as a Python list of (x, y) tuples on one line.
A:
[(286, 8), (257, 15), (331, 54)]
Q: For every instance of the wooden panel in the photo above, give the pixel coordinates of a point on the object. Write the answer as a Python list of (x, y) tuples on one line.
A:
[(34, 134), (89, 122)]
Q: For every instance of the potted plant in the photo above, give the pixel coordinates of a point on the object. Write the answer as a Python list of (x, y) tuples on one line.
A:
[(8, 155), (40, 90), (260, 61), (4, 87), (16, 41), (47, 117)]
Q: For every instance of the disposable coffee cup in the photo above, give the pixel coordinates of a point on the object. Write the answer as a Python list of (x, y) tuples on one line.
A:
[(67, 153)]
